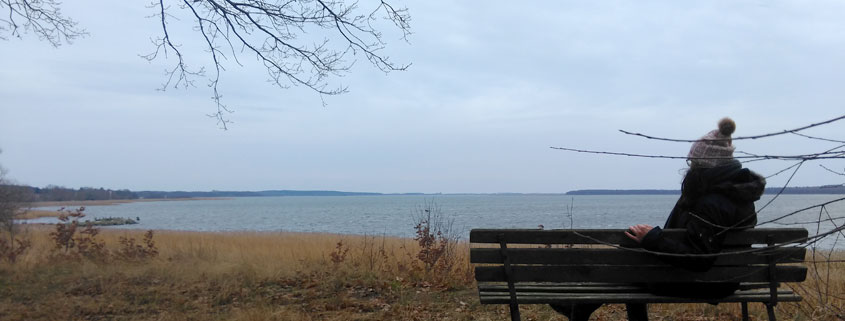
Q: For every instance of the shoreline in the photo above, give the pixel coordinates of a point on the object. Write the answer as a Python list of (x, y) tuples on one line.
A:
[(37, 213), (104, 230), (116, 202)]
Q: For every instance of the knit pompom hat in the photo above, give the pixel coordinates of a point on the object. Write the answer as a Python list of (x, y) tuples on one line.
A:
[(715, 148)]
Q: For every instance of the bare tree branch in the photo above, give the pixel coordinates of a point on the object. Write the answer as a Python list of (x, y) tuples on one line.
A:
[(819, 138), (836, 152), (824, 216), (783, 188), (802, 157), (42, 17), (294, 40), (788, 131), (842, 173), (299, 42)]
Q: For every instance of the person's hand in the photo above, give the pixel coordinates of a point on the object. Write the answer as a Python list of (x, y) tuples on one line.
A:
[(638, 232)]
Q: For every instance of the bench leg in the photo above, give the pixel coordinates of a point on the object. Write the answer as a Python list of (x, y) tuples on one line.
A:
[(744, 311), (637, 311), (515, 312), (770, 308)]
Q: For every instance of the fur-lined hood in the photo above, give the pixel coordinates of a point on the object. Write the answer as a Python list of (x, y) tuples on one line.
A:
[(737, 183)]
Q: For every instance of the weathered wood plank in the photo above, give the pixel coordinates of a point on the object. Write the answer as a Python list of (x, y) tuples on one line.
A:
[(619, 293), (591, 287), (582, 256), (540, 298), (635, 274), (592, 236), (585, 288)]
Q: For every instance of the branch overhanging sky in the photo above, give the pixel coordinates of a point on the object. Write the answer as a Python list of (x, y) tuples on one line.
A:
[(491, 88)]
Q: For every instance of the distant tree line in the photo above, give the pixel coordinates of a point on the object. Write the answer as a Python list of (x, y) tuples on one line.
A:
[(183, 194), (53, 193)]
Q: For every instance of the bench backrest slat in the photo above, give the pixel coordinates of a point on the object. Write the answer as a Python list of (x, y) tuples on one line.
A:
[(636, 274), (610, 256), (589, 236)]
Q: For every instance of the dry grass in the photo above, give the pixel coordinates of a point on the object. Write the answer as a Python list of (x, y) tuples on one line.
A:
[(294, 276), (228, 276), (31, 214)]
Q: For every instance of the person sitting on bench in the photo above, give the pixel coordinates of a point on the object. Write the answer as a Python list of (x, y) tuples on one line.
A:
[(717, 194)]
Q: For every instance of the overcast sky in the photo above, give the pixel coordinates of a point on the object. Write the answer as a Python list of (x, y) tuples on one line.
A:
[(492, 86)]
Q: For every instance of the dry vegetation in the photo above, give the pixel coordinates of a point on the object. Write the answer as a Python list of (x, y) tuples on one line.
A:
[(31, 214), (293, 276)]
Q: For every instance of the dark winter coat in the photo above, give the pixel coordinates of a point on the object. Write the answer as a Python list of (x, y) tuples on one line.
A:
[(719, 199), (725, 201)]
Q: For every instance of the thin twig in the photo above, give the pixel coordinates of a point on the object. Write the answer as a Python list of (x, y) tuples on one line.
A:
[(788, 131)]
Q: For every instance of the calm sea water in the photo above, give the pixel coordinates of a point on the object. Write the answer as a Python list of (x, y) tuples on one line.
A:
[(393, 214)]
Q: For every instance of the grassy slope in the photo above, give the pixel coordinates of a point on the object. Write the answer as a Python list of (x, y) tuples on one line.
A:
[(293, 276)]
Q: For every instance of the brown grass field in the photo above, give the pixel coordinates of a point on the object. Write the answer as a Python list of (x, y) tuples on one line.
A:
[(294, 276)]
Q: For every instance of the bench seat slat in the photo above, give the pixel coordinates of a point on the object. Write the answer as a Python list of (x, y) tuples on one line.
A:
[(546, 298), (588, 287), (558, 290), (634, 274), (563, 289), (592, 236), (576, 256)]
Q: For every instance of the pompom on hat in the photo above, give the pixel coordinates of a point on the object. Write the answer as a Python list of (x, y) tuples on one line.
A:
[(715, 148)]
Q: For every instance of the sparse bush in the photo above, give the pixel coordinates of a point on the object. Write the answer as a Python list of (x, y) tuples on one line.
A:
[(88, 246), (71, 241), (66, 229), (9, 252), (129, 250), (15, 200), (75, 243), (338, 255), (437, 256), (374, 255), (435, 237)]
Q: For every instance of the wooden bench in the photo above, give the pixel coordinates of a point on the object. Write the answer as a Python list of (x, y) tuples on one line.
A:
[(530, 266)]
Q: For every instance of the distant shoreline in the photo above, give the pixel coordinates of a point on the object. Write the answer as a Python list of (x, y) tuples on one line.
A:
[(115, 202), (36, 213)]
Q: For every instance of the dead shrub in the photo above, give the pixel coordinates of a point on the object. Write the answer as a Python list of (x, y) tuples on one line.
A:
[(74, 243), (437, 256), (9, 252), (338, 255), (132, 251)]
